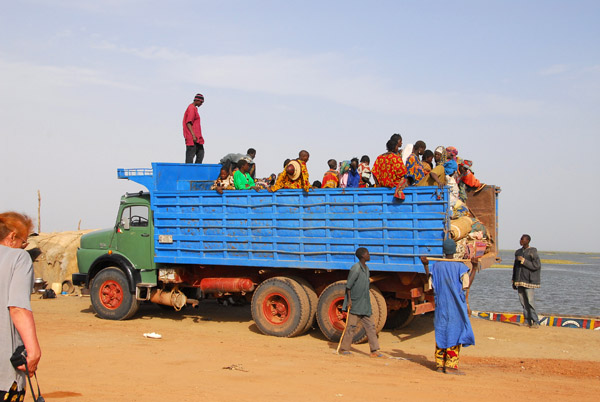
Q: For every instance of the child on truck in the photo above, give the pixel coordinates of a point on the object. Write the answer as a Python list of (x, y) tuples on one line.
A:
[(331, 178), (224, 182)]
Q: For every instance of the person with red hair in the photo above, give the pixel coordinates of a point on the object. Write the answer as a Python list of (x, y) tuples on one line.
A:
[(17, 326)]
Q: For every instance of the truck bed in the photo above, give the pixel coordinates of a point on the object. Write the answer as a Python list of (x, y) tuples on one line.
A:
[(288, 228)]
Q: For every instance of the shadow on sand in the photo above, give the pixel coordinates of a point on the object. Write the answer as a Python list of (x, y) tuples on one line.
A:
[(207, 310)]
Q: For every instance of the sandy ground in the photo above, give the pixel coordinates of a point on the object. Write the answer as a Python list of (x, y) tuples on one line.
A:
[(215, 353)]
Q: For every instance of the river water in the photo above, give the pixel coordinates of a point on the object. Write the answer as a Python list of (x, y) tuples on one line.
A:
[(567, 290)]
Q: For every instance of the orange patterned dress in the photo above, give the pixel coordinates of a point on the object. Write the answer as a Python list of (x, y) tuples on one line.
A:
[(389, 170), (331, 179)]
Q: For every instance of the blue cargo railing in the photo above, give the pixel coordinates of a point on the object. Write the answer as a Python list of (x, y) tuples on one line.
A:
[(320, 229)]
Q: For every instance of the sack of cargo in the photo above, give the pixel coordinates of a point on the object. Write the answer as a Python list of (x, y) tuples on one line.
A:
[(460, 227)]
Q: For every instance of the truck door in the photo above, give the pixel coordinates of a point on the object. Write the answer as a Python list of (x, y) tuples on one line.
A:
[(134, 237)]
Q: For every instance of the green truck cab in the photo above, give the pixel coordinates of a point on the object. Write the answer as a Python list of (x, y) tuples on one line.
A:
[(122, 256)]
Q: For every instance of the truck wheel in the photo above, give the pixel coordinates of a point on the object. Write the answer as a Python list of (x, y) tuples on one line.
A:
[(111, 297), (312, 301), (397, 319), (280, 307), (331, 318), (380, 305)]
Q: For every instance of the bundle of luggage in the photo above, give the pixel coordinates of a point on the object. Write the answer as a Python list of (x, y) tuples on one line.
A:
[(472, 239)]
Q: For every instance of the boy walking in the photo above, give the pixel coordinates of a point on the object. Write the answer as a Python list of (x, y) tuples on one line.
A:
[(359, 297)]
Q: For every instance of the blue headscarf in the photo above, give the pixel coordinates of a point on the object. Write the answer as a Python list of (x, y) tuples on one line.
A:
[(450, 167), (449, 246)]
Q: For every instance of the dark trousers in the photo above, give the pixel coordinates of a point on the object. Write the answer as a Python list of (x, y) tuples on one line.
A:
[(367, 322), (528, 302), (196, 150), (12, 393)]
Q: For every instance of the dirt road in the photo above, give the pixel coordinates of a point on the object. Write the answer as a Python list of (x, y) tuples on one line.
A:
[(216, 353)]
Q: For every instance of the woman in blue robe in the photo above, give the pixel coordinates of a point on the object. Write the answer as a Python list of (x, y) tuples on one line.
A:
[(449, 280)]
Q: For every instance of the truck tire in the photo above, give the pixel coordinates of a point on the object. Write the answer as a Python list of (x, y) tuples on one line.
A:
[(111, 297), (380, 305), (330, 317), (397, 319), (280, 307), (313, 300)]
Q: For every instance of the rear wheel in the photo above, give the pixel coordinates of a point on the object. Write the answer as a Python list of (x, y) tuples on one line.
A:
[(397, 319), (280, 307), (111, 297), (331, 318), (312, 301), (380, 306)]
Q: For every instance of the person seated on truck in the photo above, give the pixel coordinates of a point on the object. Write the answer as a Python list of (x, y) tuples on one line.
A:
[(466, 179), (389, 170), (449, 280), (414, 168), (278, 177), (317, 184), (266, 182), (224, 182), (251, 154), (398, 138), (438, 174), (331, 178), (294, 175), (427, 161), (231, 160), (242, 179), (350, 177), (364, 170), (451, 154), (439, 155)]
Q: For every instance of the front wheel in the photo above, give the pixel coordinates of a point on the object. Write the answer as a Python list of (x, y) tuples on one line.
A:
[(111, 297)]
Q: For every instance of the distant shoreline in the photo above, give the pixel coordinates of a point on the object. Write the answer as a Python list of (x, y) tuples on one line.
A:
[(544, 261), (558, 252)]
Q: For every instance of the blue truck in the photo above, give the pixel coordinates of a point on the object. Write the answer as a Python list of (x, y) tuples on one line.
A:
[(287, 252)]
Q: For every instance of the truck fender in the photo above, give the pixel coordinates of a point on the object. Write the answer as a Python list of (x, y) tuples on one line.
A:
[(118, 261)]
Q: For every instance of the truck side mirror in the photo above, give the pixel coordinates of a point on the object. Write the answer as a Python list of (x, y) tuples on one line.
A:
[(125, 224)]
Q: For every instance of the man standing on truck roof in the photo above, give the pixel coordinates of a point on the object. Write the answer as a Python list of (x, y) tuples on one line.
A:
[(358, 297), (192, 132), (449, 280), (526, 278)]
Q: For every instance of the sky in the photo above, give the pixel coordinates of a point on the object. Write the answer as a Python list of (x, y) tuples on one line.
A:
[(87, 87)]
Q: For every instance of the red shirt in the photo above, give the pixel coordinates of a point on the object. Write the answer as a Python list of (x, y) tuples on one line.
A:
[(191, 116)]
